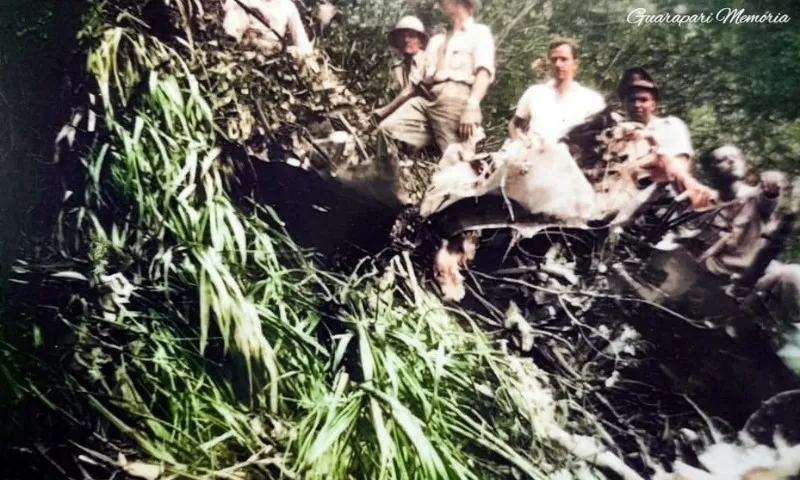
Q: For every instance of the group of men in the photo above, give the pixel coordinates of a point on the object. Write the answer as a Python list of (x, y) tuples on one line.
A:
[(442, 80)]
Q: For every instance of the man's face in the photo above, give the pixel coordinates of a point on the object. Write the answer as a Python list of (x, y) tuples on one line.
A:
[(448, 7), (641, 105), (410, 42), (562, 64), (731, 167)]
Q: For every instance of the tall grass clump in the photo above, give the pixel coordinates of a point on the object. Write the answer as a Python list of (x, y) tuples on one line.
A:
[(174, 331)]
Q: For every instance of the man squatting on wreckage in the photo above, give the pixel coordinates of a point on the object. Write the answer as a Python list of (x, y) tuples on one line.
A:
[(266, 25), (549, 110), (745, 231), (674, 158), (407, 41), (459, 67)]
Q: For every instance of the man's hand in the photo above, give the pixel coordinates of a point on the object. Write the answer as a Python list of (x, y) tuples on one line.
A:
[(772, 182), (700, 195), (469, 120), (379, 114)]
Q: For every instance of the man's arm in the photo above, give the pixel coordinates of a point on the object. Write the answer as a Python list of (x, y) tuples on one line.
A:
[(297, 33), (405, 94), (235, 21), (522, 116), (773, 183), (517, 127), (483, 62), (677, 141)]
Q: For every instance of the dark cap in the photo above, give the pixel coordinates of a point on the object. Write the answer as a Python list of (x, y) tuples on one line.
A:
[(636, 78)]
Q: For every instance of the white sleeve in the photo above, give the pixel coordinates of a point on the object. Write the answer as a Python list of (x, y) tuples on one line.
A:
[(431, 55), (236, 19), (297, 31), (524, 105), (677, 140), (484, 54), (596, 103)]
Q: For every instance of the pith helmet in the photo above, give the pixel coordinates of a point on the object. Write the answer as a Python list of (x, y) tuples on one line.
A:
[(633, 78), (409, 22)]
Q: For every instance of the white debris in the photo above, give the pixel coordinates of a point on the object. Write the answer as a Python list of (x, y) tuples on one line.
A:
[(612, 380), (728, 461)]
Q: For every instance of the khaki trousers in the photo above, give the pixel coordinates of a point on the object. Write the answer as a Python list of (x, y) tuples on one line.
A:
[(420, 122)]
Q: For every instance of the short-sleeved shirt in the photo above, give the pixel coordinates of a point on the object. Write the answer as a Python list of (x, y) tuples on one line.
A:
[(405, 71), (467, 51), (552, 114), (282, 16), (671, 135)]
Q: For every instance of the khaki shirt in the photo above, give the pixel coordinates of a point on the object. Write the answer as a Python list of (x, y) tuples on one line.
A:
[(552, 114), (672, 136), (282, 16), (408, 71), (468, 50), (748, 222)]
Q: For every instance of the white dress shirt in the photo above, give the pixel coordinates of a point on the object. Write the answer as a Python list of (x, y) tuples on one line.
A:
[(458, 60), (552, 114), (672, 136)]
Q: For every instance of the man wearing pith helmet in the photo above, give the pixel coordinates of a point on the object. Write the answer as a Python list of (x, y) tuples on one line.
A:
[(408, 39), (459, 67)]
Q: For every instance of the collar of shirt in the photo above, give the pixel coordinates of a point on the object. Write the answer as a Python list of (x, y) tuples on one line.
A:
[(573, 87), (465, 26), (416, 59)]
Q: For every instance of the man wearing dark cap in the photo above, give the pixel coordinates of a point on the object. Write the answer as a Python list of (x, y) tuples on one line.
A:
[(640, 95), (675, 154)]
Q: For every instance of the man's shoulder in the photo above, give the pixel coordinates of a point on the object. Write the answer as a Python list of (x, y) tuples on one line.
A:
[(669, 120), (481, 28), (540, 87), (589, 92), (672, 122), (535, 90), (437, 38)]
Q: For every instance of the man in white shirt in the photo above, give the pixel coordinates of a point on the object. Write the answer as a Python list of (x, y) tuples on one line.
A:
[(549, 110), (640, 97), (459, 67), (266, 24), (675, 155)]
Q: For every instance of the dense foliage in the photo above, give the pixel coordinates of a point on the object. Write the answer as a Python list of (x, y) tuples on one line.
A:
[(174, 322)]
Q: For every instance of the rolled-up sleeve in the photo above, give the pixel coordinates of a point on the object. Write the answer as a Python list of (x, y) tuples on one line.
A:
[(484, 54), (235, 21), (297, 32), (677, 140), (524, 105)]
